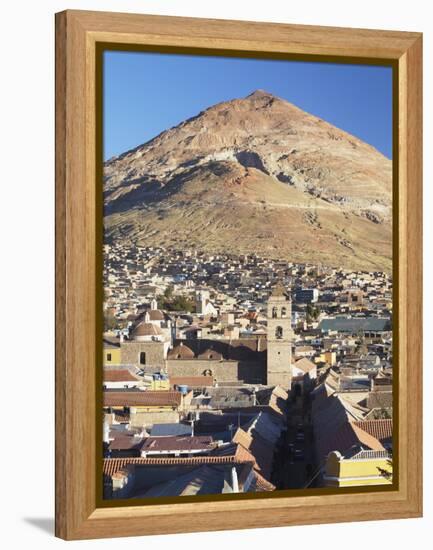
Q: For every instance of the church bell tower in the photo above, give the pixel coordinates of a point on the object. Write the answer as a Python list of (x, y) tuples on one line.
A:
[(279, 338)]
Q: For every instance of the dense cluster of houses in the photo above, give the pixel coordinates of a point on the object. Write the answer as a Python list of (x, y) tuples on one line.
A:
[(237, 374)]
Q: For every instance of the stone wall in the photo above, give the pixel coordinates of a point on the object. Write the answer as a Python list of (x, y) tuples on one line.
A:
[(155, 352), (147, 419), (283, 379), (222, 371)]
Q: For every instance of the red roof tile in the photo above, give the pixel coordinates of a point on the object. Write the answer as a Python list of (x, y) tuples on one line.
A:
[(210, 355), (305, 364), (181, 352), (145, 398), (125, 442), (236, 455), (192, 381), (155, 315), (380, 429), (146, 329), (181, 443), (350, 435), (263, 484), (119, 375)]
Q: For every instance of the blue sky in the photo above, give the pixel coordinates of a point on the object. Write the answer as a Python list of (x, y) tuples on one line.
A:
[(146, 93)]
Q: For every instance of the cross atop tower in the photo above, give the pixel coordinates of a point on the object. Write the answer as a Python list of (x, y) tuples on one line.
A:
[(280, 291)]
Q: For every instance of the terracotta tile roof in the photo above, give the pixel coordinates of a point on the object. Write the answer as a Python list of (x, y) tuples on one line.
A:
[(142, 398), (125, 442), (181, 443), (235, 455), (380, 429), (263, 484), (155, 315), (261, 450), (350, 435), (146, 329), (192, 381), (210, 354), (305, 365), (119, 375), (181, 352)]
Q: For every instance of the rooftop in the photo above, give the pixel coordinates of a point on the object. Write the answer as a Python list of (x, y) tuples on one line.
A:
[(178, 443), (355, 324), (142, 398)]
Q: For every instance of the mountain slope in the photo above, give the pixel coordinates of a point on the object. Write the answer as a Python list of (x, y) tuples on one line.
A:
[(255, 174)]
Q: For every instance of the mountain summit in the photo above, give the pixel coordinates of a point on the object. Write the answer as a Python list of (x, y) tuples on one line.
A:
[(257, 94), (255, 174)]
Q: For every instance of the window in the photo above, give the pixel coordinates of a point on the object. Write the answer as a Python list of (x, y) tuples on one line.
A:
[(274, 312), (142, 358), (108, 356), (283, 312), (279, 333)]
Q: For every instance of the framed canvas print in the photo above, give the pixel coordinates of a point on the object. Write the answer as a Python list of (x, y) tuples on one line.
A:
[(238, 274)]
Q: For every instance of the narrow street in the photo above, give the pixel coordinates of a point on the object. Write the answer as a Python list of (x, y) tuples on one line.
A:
[(294, 461)]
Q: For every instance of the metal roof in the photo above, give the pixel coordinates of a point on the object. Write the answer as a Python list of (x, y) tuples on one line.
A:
[(160, 430), (355, 324)]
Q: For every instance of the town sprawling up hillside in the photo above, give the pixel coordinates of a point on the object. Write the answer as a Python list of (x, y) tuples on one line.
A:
[(255, 174), (247, 341)]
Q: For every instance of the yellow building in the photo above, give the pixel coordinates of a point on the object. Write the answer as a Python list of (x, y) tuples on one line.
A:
[(158, 382), (145, 408), (112, 356), (111, 353), (364, 467), (329, 357)]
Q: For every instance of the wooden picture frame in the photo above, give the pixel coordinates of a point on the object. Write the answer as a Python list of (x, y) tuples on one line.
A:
[(79, 36)]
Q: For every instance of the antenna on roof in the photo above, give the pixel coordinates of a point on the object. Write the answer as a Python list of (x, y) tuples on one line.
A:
[(230, 427)]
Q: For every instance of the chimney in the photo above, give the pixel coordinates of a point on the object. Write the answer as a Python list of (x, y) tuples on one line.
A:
[(235, 483), (106, 432), (254, 397)]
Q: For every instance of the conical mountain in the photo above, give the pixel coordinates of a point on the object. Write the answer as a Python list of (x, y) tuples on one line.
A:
[(255, 174)]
